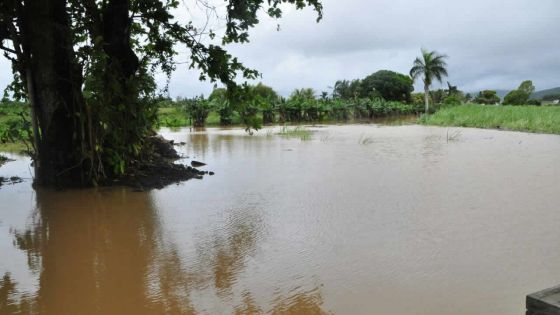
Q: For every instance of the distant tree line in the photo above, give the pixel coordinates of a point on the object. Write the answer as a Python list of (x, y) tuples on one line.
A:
[(519, 96), (522, 95), (263, 105)]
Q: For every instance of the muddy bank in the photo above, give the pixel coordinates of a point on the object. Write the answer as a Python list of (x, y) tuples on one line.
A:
[(156, 175), (158, 169), (154, 169)]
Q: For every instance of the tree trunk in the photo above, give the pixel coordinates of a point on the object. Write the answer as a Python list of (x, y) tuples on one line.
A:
[(426, 98), (117, 23), (120, 81), (54, 87), (124, 117)]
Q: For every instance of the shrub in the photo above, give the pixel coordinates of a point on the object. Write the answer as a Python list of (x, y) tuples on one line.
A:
[(417, 98), (197, 109), (452, 100), (489, 97), (222, 105), (516, 97), (438, 96), (225, 111)]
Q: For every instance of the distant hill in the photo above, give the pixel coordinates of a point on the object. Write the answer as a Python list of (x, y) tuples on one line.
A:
[(541, 94)]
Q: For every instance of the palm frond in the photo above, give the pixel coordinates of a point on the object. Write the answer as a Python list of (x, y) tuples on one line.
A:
[(431, 64)]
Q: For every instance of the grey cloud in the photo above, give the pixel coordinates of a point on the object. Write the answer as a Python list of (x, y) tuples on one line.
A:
[(491, 44)]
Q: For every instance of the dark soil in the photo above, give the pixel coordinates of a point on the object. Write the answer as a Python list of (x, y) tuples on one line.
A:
[(157, 176), (158, 169), (197, 164), (3, 160), (155, 169)]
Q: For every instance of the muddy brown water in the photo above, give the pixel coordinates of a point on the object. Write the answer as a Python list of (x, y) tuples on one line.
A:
[(360, 219)]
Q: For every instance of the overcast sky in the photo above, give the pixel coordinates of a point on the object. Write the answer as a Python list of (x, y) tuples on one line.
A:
[(491, 44)]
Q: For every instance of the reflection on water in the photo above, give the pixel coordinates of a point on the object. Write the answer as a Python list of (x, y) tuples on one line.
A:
[(307, 303), (105, 252), (11, 300), (95, 253), (406, 222), (226, 253)]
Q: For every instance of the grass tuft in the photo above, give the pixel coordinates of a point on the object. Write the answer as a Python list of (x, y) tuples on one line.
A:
[(296, 132), (365, 140)]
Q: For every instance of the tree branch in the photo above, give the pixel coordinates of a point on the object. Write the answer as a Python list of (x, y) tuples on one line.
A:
[(8, 49)]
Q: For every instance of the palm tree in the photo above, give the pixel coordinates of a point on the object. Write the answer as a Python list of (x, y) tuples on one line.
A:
[(432, 66)]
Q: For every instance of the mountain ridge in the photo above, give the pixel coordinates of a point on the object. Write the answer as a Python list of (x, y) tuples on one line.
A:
[(542, 93)]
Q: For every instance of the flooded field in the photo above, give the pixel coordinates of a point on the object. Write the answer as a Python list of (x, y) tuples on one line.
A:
[(356, 219)]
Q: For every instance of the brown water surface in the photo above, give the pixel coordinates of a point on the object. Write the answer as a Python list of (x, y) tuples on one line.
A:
[(359, 219)]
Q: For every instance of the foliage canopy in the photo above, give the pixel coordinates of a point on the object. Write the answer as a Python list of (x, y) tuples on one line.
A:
[(488, 97), (389, 85), (521, 95), (87, 68)]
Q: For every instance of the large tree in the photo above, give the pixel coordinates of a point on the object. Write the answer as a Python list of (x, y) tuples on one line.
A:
[(390, 85), (521, 95), (46, 71), (430, 66), (527, 87), (86, 67)]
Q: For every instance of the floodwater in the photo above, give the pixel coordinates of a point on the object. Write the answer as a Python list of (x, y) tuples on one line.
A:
[(358, 219)]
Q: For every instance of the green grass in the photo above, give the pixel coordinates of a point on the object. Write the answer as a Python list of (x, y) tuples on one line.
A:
[(17, 147), (540, 119), (296, 132), (214, 119), (175, 117), (172, 117), (9, 112)]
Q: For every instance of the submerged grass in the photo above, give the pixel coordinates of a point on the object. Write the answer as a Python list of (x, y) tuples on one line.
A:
[(296, 132), (541, 119), (453, 135), (365, 140)]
